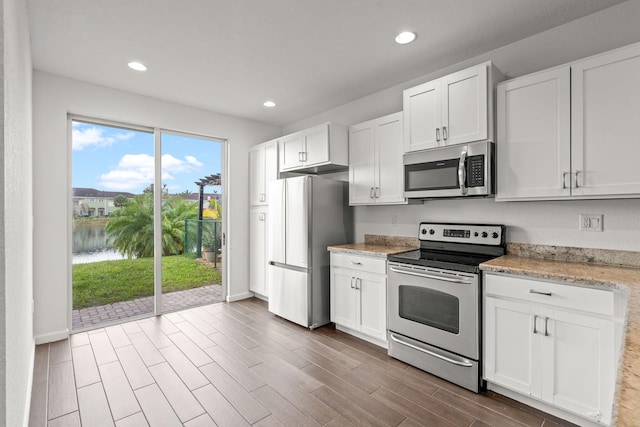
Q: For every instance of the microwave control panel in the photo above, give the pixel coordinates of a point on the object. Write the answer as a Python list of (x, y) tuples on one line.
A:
[(475, 171)]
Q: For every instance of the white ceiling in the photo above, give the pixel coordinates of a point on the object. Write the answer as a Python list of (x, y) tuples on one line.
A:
[(308, 56)]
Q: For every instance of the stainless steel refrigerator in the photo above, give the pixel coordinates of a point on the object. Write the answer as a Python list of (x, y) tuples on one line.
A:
[(307, 214)]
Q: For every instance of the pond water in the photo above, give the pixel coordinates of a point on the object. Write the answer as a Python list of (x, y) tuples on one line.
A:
[(90, 243)]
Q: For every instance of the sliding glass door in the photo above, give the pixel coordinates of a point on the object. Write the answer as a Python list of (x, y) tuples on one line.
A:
[(147, 222), (191, 221)]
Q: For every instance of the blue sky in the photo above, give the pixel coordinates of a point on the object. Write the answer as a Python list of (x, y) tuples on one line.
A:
[(115, 159)]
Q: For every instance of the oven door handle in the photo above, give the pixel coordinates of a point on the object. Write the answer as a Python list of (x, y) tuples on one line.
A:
[(461, 362), (429, 276)]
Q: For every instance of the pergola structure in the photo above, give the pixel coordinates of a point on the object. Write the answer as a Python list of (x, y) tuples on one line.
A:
[(213, 179)]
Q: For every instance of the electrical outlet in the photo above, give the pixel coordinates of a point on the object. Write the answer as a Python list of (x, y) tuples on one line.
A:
[(591, 222), (394, 220)]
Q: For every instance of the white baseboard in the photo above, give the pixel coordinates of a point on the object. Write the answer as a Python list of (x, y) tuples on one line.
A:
[(52, 337), (260, 296), (27, 403), (238, 297), (383, 344), (543, 406)]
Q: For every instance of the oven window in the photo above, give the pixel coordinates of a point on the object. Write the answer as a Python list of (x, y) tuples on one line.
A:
[(432, 176), (430, 307)]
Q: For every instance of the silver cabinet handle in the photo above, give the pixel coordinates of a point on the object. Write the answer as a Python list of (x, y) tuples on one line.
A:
[(546, 326), (444, 133), (576, 180), (461, 362), (376, 192), (462, 172), (564, 179), (358, 280), (533, 291), (437, 134), (352, 278), (355, 262), (535, 323), (429, 276), (300, 156), (371, 195), (304, 156)]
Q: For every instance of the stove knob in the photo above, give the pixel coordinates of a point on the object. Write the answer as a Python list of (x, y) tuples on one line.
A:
[(494, 235), (432, 231), (424, 231), (476, 234), (484, 234)]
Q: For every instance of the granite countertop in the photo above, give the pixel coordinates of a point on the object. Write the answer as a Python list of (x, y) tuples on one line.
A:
[(368, 249), (614, 277), (377, 246)]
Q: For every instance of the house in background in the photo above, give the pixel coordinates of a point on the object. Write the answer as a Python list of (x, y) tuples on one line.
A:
[(92, 202), (35, 163)]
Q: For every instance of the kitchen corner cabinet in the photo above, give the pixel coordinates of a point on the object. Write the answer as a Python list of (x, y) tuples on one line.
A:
[(320, 148), (551, 342), (263, 168), (376, 173), (359, 296), (258, 250), (571, 131), (453, 109)]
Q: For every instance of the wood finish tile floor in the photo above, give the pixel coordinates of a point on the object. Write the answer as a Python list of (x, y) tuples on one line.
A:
[(238, 365)]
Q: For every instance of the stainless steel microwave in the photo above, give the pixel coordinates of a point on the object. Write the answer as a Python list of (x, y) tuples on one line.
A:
[(452, 171)]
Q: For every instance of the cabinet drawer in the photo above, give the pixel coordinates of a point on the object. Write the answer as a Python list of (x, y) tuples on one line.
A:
[(359, 263), (597, 301)]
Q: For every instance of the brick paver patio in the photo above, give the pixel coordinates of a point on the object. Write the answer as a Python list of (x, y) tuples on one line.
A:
[(90, 316)]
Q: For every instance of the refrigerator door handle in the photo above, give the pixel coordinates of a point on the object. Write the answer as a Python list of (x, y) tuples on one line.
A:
[(289, 267)]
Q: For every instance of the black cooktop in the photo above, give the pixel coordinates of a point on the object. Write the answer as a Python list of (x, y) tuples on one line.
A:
[(465, 262), (457, 247)]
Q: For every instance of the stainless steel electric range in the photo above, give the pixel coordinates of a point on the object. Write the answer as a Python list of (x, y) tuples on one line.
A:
[(434, 300)]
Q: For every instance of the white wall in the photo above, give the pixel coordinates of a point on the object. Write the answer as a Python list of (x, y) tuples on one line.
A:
[(54, 98), (16, 278), (550, 223)]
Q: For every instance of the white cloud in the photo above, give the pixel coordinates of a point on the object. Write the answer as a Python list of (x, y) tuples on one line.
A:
[(95, 136), (135, 171)]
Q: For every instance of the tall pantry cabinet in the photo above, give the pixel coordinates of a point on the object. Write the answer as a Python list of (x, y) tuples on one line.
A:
[(263, 168)]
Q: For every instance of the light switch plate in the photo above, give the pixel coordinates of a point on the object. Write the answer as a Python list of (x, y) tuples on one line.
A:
[(590, 222)]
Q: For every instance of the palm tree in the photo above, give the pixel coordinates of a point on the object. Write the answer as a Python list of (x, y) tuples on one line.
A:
[(130, 229), (174, 211)]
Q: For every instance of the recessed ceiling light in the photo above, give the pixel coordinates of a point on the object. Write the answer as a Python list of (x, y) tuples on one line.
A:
[(138, 66), (269, 104), (405, 37)]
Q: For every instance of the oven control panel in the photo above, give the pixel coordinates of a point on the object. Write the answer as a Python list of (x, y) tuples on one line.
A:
[(462, 233)]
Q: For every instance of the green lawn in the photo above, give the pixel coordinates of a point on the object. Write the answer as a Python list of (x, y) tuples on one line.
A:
[(106, 282)]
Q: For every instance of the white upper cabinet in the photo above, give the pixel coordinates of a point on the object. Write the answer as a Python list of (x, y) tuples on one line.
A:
[(571, 131), (376, 173), (322, 148), (465, 108), (263, 168), (422, 107), (605, 137), (454, 109), (533, 144)]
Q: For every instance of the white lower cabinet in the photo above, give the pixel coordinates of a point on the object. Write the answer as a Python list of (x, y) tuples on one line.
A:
[(258, 250), (543, 340), (359, 296)]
